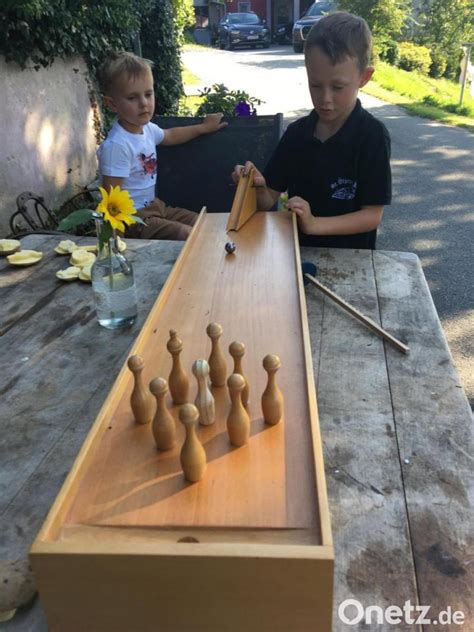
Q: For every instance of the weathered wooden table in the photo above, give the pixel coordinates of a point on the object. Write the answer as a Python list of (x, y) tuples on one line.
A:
[(396, 429)]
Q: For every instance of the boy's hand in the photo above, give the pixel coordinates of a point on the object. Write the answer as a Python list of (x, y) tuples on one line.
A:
[(213, 123), (302, 210), (244, 170)]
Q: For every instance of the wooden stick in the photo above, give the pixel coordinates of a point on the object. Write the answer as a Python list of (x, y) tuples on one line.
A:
[(365, 320)]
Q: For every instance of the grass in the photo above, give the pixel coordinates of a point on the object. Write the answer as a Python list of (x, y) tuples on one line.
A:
[(435, 99), (189, 78)]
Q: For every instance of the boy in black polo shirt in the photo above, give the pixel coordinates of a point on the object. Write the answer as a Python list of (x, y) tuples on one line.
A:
[(335, 162)]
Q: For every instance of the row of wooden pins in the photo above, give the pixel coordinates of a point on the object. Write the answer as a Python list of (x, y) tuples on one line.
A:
[(193, 458)]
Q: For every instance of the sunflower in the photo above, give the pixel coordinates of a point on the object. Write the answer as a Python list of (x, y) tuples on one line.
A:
[(117, 208)]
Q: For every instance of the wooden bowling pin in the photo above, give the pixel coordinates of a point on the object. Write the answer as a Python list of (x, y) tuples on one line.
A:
[(237, 351), (164, 425), (178, 381), (141, 400), (238, 421), (193, 455), (217, 363), (272, 399), (204, 400)]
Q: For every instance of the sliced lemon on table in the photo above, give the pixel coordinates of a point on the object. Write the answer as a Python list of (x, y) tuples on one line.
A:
[(85, 274), (9, 246), (81, 258), (121, 244), (90, 248), (65, 247), (25, 258), (68, 274)]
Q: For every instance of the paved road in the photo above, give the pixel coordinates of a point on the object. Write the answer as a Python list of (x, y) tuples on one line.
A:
[(433, 176)]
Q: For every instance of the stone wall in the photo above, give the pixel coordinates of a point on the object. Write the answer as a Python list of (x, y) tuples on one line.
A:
[(47, 136)]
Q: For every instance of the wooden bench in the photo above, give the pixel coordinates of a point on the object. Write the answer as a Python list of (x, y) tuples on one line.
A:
[(198, 173)]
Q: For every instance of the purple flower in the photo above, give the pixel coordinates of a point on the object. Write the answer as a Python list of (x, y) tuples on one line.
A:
[(244, 109)]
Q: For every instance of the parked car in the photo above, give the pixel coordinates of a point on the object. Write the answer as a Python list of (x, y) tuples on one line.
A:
[(283, 33), (302, 27), (243, 29)]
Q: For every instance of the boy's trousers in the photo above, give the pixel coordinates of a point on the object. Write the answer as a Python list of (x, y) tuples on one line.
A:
[(162, 222)]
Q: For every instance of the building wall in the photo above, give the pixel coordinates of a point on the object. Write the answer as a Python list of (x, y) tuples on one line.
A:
[(257, 6), (47, 136)]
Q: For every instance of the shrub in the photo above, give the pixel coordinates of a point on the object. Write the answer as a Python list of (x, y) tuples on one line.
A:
[(230, 102), (414, 57), (439, 62), (387, 50)]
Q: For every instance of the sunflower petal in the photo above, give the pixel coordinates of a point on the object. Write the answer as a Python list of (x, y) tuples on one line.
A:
[(103, 193)]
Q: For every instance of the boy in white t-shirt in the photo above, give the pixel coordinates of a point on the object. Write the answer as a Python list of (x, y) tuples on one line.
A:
[(127, 157)]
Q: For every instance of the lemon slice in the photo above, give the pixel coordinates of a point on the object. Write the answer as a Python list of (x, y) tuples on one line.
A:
[(85, 274), (9, 246), (68, 274), (81, 258), (90, 248), (25, 258), (65, 247)]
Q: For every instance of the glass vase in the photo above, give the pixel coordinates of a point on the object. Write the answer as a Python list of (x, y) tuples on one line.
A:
[(113, 283)]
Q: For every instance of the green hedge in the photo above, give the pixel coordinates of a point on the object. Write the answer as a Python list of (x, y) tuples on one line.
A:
[(160, 44), (414, 57), (39, 31)]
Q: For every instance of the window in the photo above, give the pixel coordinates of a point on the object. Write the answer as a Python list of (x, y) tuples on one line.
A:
[(244, 6)]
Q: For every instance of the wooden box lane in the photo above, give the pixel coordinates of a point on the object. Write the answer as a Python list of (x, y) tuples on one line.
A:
[(248, 547)]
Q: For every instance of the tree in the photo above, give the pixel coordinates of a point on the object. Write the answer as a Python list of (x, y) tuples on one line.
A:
[(159, 38), (184, 17), (386, 18), (444, 26)]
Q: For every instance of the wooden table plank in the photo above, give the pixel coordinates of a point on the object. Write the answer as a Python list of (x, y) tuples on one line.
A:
[(434, 431), (373, 558), (54, 386)]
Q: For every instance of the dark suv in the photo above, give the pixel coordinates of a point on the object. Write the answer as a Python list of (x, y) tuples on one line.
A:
[(243, 29), (302, 27)]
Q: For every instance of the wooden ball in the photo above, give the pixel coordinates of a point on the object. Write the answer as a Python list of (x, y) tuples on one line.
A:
[(271, 362), (236, 381), (174, 344), (200, 368), (188, 413), (159, 386), (237, 349), (214, 330), (135, 363)]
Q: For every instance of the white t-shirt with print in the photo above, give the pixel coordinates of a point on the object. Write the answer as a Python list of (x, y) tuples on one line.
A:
[(133, 157)]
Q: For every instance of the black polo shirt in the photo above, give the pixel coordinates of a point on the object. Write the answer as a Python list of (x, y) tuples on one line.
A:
[(340, 175)]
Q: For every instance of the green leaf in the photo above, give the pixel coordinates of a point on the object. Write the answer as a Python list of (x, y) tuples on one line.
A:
[(138, 220), (76, 218), (105, 234)]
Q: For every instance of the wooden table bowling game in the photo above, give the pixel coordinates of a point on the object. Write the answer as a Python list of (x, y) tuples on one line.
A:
[(129, 543)]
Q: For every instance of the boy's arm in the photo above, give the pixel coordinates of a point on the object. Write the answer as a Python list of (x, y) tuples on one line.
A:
[(177, 135), (366, 219), (111, 181)]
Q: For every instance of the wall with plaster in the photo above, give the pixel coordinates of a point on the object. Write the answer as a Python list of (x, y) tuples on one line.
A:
[(47, 137)]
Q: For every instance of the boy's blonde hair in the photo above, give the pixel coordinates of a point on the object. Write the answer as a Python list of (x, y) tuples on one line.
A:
[(119, 64), (340, 35)]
